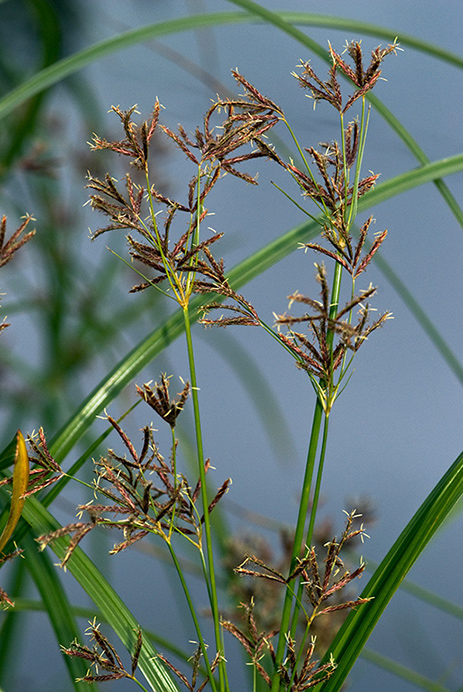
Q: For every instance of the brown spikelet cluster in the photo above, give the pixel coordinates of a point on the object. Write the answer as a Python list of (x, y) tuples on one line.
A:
[(44, 469), (12, 245), (335, 187), (146, 493), (102, 656), (364, 80), (15, 241), (198, 682), (161, 402), (345, 254), (322, 352), (185, 262), (324, 590)]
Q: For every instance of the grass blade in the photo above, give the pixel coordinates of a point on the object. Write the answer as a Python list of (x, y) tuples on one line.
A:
[(283, 20), (57, 607), (420, 315), (387, 578), (88, 614), (103, 595), (411, 179)]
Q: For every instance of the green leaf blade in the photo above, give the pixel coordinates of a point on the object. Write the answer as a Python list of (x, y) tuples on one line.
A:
[(103, 595), (58, 608), (355, 631)]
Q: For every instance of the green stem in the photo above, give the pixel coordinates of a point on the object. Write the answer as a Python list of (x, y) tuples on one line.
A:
[(365, 117), (212, 587), (306, 488), (334, 300), (298, 538), (138, 683), (318, 483), (193, 615), (313, 514)]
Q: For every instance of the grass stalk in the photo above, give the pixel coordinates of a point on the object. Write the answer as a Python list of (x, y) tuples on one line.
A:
[(313, 514), (212, 585), (298, 538), (194, 617)]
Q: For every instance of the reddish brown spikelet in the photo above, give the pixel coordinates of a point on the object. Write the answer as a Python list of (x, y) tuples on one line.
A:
[(8, 248)]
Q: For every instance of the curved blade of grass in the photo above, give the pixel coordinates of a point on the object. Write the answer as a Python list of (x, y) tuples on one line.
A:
[(358, 626), (430, 597), (10, 625), (283, 21), (103, 595), (48, 31), (247, 371), (420, 315), (242, 273), (411, 179), (8, 455), (57, 607)]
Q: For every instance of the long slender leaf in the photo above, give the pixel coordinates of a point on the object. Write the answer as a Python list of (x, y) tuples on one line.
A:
[(103, 595), (345, 24), (8, 454), (72, 64), (420, 315), (241, 274), (11, 624), (285, 21), (57, 607), (430, 597), (358, 626), (89, 614), (247, 371), (50, 37), (411, 179)]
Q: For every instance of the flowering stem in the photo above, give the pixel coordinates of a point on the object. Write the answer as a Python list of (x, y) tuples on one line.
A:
[(365, 117), (313, 514), (212, 586), (298, 538), (193, 615), (318, 482), (306, 491)]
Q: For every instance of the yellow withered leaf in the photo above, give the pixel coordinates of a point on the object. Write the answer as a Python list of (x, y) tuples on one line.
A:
[(20, 481)]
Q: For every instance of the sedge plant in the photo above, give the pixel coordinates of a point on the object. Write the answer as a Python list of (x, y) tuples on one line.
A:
[(144, 492), (184, 265)]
